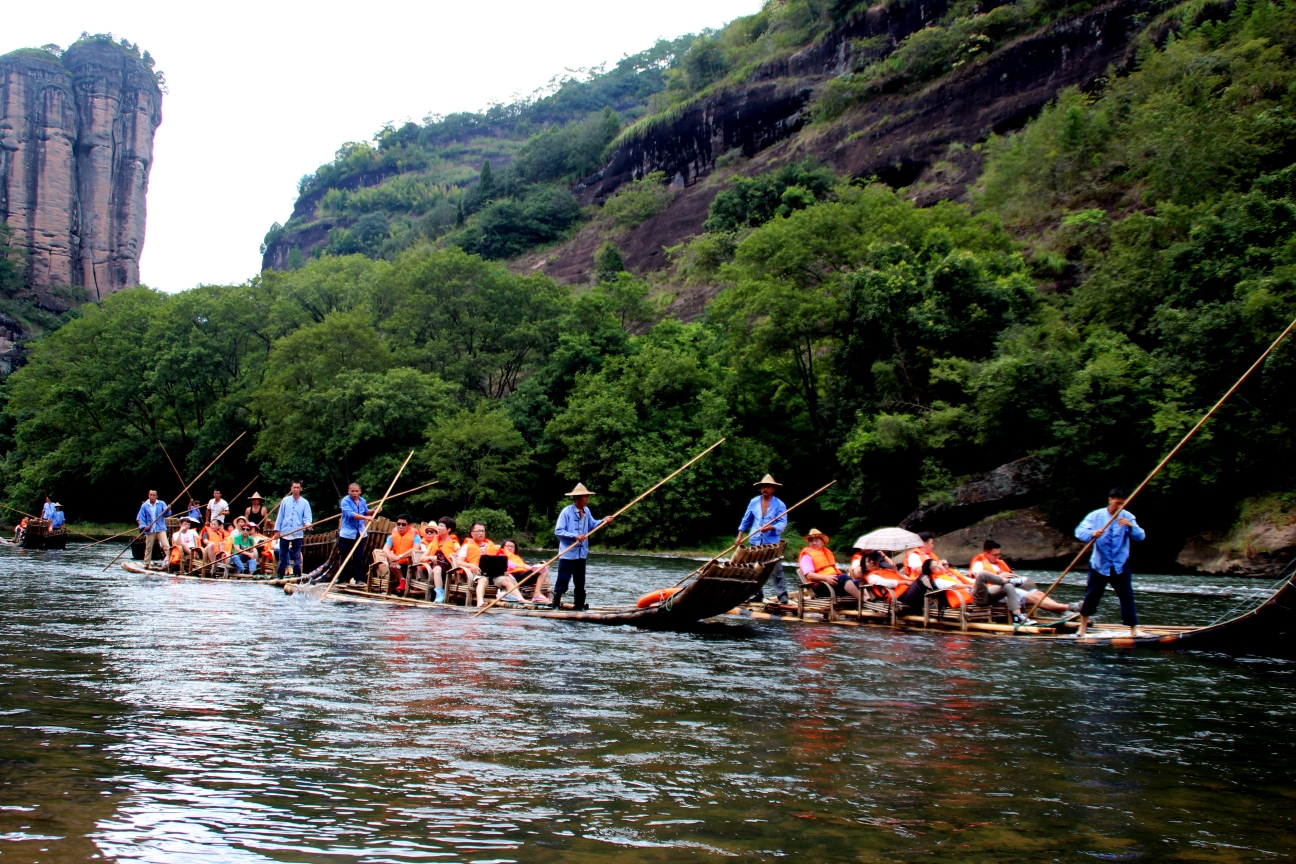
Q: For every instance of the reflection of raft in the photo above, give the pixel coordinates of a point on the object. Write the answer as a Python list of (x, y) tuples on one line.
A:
[(716, 589), (38, 535), (1268, 627)]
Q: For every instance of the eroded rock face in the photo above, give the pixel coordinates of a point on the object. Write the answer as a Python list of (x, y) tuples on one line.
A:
[(76, 146), (1027, 540), (1009, 486), (1267, 550)]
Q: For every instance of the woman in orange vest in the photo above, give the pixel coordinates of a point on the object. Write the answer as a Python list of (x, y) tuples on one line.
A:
[(915, 557), (518, 569), (818, 565), (213, 541)]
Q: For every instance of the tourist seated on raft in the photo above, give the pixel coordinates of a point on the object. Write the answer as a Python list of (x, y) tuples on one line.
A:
[(470, 555), (818, 567), (519, 569), (914, 558), (186, 547), (20, 529), (996, 583), (857, 568), (397, 553), (440, 548), (939, 576), (239, 546), (213, 541), (895, 585)]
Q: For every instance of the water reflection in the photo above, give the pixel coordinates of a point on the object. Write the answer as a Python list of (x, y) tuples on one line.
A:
[(155, 720)]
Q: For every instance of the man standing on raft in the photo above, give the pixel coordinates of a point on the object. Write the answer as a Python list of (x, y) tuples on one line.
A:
[(763, 509), (1110, 559), (575, 523)]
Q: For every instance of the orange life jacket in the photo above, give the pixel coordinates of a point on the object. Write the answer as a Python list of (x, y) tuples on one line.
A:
[(401, 544), (214, 535), (1000, 569), (176, 553), (473, 552), (923, 555), (23, 523), (825, 563), (516, 563)]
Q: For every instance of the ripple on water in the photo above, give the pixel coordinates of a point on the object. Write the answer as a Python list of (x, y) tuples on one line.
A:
[(154, 720)]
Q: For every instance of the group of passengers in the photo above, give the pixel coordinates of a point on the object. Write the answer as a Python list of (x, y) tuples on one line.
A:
[(432, 551), (873, 575)]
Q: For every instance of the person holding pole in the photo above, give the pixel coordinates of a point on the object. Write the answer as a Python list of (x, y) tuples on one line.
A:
[(151, 519), (47, 509), (761, 510), (1109, 562), (291, 522), (355, 513), (575, 523)]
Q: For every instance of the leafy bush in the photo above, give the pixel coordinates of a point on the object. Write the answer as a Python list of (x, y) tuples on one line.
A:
[(640, 200), (499, 525), (509, 227), (753, 201)]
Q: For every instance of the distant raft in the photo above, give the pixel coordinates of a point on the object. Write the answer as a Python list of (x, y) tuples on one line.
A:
[(38, 535)]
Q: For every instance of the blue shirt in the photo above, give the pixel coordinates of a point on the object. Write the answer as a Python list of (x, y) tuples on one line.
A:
[(47, 512), (351, 525), (1111, 550), (152, 517), (58, 519), (569, 527), (294, 515), (194, 516), (753, 518)]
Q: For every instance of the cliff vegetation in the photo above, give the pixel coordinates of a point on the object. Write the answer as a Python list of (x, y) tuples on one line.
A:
[(1120, 258)]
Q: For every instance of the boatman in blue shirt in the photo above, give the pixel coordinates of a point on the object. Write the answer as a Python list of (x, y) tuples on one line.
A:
[(1110, 559), (575, 523), (291, 522), (151, 519), (47, 509), (59, 519), (355, 513), (763, 509)]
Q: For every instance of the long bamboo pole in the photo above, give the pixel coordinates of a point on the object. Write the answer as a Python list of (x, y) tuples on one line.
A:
[(244, 489), (171, 463), (365, 532), (814, 494), (1157, 470), (545, 566), (321, 522), (178, 495)]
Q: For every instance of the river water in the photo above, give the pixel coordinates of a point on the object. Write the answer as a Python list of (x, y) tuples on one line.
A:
[(145, 719)]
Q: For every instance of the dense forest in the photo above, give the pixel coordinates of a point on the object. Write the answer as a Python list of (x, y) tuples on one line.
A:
[(1122, 258)]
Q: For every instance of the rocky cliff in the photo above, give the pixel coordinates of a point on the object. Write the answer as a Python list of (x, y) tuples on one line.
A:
[(76, 145)]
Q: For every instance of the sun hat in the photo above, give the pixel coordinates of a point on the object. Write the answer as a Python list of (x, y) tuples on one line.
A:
[(579, 490), (768, 480)]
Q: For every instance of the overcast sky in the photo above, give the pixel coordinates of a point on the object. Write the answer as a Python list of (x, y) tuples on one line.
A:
[(262, 93)]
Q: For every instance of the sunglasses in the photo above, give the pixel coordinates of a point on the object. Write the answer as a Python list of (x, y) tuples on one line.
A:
[(401, 524)]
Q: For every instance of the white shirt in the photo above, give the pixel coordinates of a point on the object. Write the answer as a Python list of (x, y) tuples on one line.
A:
[(217, 509), (185, 539)]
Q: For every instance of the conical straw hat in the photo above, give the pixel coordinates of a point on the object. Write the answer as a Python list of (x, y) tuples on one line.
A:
[(579, 490), (255, 496), (768, 480)]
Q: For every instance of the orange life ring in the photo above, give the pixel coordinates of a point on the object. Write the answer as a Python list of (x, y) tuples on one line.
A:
[(652, 598)]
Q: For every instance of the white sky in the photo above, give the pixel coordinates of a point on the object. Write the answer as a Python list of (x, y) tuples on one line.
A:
[(262, 93)]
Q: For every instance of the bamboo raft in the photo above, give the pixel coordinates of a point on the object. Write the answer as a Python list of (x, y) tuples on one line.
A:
[(38, 535), (718, 586), (1269, 627)]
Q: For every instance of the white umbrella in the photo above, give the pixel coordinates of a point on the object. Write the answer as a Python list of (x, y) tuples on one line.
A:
[(889, 540)]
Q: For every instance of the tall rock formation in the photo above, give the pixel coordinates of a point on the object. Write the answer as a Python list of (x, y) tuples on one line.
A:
[(76, 145)]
